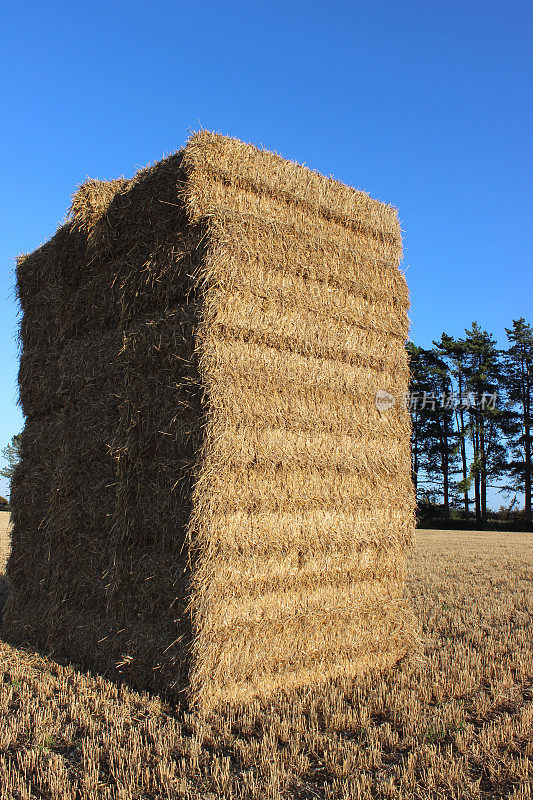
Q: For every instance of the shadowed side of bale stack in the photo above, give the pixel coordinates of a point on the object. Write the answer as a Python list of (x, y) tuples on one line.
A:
[(109, 386), (208, 493), (40, 293), (304, 504)]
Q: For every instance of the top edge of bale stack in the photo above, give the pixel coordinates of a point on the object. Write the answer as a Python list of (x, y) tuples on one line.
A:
[(208, 496)]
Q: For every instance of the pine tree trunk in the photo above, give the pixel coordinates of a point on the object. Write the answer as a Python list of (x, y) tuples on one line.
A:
[(415, 457), (527, 447), (475, 443), (446, 485), (483, 469), (528, 477), (464, 468), (462, 434)]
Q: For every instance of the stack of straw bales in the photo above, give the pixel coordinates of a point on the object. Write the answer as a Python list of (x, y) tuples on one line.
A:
[(208, 495)]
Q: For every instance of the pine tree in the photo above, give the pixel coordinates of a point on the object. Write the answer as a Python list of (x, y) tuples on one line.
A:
[(489, 421), (441, 439), (519, 384), (11, 453), (417, 386), (433, 445), (453, 351)]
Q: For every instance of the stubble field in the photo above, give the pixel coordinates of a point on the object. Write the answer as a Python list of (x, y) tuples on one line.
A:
[(453, 721)]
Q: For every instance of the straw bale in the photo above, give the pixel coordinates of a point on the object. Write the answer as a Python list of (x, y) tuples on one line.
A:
[(208, 496)]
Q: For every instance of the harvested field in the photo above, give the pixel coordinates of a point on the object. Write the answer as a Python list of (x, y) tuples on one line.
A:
[(456, 722)]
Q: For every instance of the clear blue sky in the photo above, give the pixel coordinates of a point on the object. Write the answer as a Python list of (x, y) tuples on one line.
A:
[(426, 105)]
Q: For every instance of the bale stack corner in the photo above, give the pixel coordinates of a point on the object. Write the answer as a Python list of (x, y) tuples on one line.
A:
[(208, 495)]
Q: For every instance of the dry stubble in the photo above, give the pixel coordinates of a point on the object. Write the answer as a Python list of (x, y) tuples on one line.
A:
[(456, 722)]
